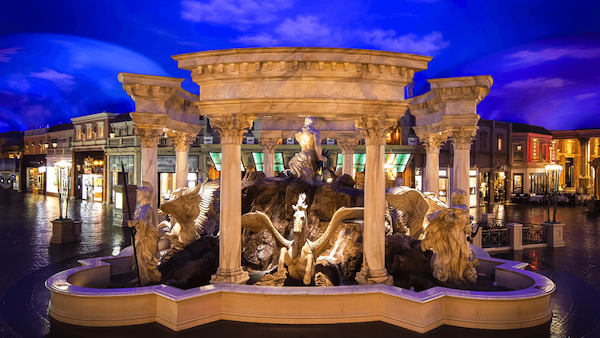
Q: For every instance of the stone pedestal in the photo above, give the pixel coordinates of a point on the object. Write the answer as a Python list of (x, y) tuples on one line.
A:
[(62, 231), (477, 239), (515, 236), (231, 128), (374, 129), (555, 234)]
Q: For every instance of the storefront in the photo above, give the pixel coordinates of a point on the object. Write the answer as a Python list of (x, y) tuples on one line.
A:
[(397, 165), (34, 173), (89, 176)]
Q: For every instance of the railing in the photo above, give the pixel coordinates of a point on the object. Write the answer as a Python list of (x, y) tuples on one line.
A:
[(125, 141), (535, 234), (493, 238), (496, 223)]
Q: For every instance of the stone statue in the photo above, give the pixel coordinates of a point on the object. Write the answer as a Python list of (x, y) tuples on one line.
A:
[(434, 202), (412, 208), (453, 261), (300, 254), (188, 208), (146, 238), (459, 199), (304, 165)]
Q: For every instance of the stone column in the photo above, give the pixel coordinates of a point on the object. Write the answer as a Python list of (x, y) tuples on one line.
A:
[(149, 138), (231, 128), (583, 150), (269, 145), (347, 145), (374, 129), (182, 142), (462, 137), (432, 144)]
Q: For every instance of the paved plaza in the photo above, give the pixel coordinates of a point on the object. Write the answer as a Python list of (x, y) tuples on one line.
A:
[(28, 259)]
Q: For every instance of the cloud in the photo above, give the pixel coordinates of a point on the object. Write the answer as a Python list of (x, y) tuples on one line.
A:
[(527, 57), (429, 44), (309, 30), (537, 83), (236, 13), (4, 53), (585, 96), (261, 40), (303, 29), (62, 80)]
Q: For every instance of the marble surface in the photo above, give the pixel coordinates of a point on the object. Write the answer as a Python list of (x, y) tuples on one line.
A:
[(75, 303)]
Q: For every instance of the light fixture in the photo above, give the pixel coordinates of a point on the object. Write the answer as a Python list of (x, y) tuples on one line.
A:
[(46, 145), (112, 134), (54, 144), (519, 147)]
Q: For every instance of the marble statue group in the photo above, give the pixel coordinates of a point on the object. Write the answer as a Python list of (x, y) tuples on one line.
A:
[(314, 237)]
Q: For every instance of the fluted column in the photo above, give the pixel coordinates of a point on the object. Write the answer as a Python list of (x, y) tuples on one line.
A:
[(182, 142), (583, 151), (269, 145), (432, 143), (347, 145), (231, 128), (149, 140), (374, 129), (461, 138)]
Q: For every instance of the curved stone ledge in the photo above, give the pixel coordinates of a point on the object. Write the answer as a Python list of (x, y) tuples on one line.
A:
[(75, 303)]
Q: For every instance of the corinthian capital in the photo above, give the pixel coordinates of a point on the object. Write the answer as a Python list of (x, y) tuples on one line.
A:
[(375, 128), (347, 144), (462, 137), (432, 142), (269, 144), (182, 140), (231, 127), (148, 136)]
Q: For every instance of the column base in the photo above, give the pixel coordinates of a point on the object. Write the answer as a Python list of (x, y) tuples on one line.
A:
[(62, 231), (555, 234), (364, 278), (230, 276)]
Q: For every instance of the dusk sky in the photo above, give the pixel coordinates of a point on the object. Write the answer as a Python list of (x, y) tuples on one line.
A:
[(59, 59)]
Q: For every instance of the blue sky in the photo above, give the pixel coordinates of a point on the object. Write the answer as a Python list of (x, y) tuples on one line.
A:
[(59, 59)]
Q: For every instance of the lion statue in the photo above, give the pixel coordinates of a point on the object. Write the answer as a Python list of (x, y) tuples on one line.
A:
[(453, 261)]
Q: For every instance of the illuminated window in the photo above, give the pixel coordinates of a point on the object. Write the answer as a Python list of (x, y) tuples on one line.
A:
[(88, 130), (78, 134), (100, 130), (500, 139)]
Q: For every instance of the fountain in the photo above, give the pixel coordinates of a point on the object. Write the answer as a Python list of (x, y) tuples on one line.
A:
[(375, 256)]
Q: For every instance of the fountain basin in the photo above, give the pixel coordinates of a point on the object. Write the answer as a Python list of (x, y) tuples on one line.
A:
[(76, 299)]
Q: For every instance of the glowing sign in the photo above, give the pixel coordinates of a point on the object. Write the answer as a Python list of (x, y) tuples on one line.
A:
[(534, 154)]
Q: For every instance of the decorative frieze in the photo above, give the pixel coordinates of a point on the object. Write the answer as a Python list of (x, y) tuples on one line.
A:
[(306, 89), (231, 127)]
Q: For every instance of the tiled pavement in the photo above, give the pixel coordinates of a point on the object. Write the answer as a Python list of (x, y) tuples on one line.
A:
[(27, 260)]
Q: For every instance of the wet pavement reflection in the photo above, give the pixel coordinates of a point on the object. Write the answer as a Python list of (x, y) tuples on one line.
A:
[(28, 259)]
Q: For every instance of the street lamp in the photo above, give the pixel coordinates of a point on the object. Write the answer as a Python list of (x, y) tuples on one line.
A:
[(553, 174)]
